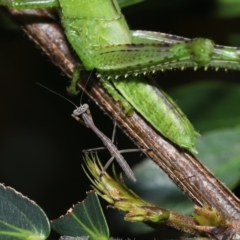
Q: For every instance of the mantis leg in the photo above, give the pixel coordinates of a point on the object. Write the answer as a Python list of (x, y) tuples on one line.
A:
[(29, 4)]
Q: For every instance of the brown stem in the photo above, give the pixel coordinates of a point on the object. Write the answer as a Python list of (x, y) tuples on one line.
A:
[(181, 166)]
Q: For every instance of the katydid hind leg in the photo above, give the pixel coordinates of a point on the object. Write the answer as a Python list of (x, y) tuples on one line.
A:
[(148, 37), (29, 4), (134, 59), (141, 58)]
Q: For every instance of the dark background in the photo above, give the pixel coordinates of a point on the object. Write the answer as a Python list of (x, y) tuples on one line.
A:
[(40, 144)]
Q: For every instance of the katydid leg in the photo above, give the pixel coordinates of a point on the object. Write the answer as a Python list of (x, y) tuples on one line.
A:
[(147, 37), (29, 4)]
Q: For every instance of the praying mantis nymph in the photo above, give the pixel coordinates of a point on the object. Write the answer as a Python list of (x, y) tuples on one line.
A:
[(84, 111), (99, 34)]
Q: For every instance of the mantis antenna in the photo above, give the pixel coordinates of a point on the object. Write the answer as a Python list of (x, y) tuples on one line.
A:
[(84, 112), (57, 94)]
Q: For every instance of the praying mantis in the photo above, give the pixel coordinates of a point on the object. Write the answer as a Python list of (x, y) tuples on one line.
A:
[(103, 41)]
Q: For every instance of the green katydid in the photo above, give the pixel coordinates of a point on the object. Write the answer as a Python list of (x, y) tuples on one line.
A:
[(99, 34)]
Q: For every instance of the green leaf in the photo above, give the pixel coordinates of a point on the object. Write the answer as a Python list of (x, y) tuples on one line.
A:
[(85, 219), (21, 218), (220, 152), (209, 105), (228, 8)]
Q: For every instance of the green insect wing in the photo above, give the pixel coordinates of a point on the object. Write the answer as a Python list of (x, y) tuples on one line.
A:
[(159, 110)]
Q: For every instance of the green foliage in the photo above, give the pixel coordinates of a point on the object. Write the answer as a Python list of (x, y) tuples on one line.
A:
[(210, 105), (21, 218), (85, 219), (228, 8)]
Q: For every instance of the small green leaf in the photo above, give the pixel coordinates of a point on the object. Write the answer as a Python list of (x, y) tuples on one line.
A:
[(21, 218), (227, 8), (73, 238), (85, 219), (220, 152), (213, 111)]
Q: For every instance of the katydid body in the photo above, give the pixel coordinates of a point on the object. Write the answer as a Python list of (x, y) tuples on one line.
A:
[(99, 34)]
